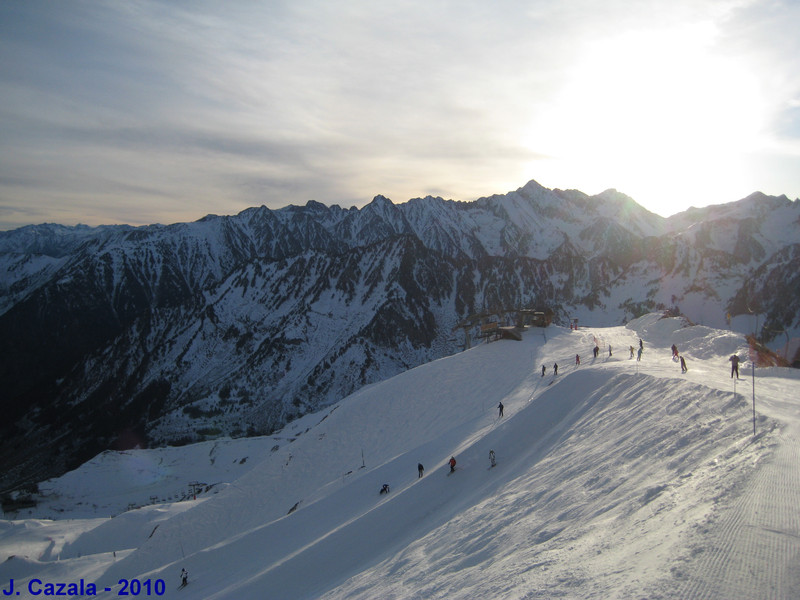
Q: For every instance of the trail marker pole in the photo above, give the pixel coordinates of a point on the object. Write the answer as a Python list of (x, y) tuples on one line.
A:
[(754, 399), (753, 357)]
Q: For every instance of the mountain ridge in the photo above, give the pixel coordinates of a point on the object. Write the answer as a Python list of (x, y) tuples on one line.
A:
[(237, 325)]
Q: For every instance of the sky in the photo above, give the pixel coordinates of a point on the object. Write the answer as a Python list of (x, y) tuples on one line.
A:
[(164, 111)]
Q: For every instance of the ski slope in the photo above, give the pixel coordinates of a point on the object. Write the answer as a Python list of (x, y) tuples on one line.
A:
[(615, 479)]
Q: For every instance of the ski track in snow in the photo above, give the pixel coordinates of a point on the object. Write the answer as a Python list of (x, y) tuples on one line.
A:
[(753, 550)]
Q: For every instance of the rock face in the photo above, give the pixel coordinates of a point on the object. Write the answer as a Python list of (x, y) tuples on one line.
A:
[(115, 336)]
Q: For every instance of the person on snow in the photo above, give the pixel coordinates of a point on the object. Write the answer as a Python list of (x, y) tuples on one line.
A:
[(609, 349), (631, 351), (420, 470), (683, 365), (184, 577), (491, 458), (639, 354), (596, 350), (452, 463), (674, 351), (734, 366), (543, 370), (577, 359), (500, 409), (641, 344), (384, 489), (555, 369)]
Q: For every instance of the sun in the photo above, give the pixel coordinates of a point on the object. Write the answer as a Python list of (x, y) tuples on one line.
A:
[(659, 115)]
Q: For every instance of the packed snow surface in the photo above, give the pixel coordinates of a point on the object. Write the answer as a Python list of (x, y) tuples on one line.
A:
[(615, 478)]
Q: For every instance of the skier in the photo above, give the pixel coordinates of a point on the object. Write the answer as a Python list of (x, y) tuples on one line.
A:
[(641, 344), (491, 458), (631, 351), (500, 409), (452, 464), (734, 366), (543, 370), (555, 369), (683, 365), (577, 360), (639, 354), (596, 350), (609, 349), (674, 351), (384, 489), (184, 577), (420, 469)]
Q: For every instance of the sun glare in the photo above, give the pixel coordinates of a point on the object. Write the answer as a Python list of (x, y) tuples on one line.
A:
[(659, 116)]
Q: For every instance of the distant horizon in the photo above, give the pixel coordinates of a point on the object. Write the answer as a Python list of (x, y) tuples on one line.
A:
[(5, 227)]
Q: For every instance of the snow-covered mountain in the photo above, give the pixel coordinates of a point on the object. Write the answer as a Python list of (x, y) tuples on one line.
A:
[(117, 336), (615, 478)]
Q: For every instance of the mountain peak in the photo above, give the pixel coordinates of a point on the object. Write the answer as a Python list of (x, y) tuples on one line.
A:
[(316, 206), (381, 200), (533, 186)]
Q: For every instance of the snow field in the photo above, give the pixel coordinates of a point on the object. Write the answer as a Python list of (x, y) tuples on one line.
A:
[(615, 479)]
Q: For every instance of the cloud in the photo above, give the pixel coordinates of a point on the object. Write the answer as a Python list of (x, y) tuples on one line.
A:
[(207, 107)]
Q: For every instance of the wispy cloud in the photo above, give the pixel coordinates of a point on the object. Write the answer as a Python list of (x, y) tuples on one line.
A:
[(185, 108)]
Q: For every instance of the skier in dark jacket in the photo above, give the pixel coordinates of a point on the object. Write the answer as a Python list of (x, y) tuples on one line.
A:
[(734, 366), (683, 365), (452, 463), (555, 369), (596, 350), (384, 489), (543, 370), (420, 469), (184, 577), (500, 409)]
